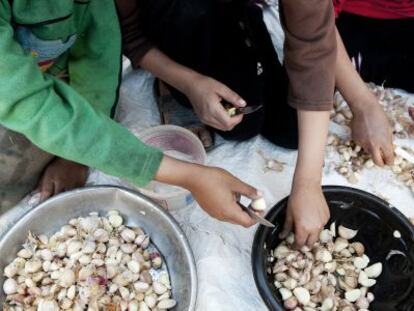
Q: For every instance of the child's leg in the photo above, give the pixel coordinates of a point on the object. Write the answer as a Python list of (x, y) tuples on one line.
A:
[(21, 165), (382, 49)]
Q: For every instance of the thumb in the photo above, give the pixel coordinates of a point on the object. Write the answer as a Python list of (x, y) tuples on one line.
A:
[(287, 228), (231, 96)]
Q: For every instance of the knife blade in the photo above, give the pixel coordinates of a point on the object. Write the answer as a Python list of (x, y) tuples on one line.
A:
[(235, 111), (261, 220)]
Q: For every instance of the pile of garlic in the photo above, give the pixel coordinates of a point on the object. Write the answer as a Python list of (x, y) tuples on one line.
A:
[(93, 263), (353, 159), (333, 275)]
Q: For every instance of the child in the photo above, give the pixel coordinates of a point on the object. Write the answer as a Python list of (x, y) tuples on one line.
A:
[(211, 52), (59, 74)]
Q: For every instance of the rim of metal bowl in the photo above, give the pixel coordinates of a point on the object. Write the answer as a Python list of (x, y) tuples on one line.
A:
[(181, 235)]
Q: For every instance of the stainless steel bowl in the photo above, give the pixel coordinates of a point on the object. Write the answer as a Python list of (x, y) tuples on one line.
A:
[(136, 209)]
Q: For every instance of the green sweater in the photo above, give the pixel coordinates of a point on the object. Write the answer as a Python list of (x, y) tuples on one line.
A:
[(71, 120)]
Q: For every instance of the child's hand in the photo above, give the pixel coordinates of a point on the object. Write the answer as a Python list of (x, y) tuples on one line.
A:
[(307, 214), (61, 175), (206, 94), (372, 131), (217, 192)]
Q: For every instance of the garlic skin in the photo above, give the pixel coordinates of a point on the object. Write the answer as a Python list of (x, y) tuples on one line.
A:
[(93, 263)]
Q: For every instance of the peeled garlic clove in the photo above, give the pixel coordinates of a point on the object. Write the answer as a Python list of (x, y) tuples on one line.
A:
[(370, 297), (285, 293), (159, 288), (115, 220), (325, 236), (290, 284), (353, 295), (361, 262), (327, 304), (290, 238), (259, 204), (347, 233), (340, 244), (332, 229), (362, 303), (157, 262), (365, 281), (166, 304), (374, 270), (302, 294), (10, 287)]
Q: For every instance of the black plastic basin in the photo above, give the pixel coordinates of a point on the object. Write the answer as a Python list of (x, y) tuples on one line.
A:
[(376, 221)]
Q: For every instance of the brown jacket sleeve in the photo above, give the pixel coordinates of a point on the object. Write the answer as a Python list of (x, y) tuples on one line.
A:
[(310, 52), (134, 43)]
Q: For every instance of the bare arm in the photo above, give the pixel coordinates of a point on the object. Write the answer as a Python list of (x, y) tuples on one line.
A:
[(370, 125), (214, 189), (307, 209)]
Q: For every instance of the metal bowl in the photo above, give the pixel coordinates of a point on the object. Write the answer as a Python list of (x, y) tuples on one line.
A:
[(136, 209), (376, 221)]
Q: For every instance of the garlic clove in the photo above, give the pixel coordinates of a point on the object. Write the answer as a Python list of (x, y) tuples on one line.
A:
[(302, 294), (259, 205), (10, 287), (290, 303), (365, 281), (325, 236), (374, 270), (353, 295), (115, 220), (347, 233), (327, 304), (340, 244), (159, 288), (285, 293), (166, 304)]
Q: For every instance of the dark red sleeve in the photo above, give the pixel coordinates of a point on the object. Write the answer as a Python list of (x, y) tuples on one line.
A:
[(338, 5), (134, 43)]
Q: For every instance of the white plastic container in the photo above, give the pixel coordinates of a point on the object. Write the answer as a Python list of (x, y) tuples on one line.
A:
[(178, 143)]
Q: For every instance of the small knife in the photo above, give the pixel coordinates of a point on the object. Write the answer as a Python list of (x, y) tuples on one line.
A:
[(261, 220), (235, 111)]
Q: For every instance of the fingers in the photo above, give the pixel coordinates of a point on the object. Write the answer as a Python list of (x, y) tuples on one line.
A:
[(312, 239), (301, 237), (377, 156), (46, 188), (244, 189), (225, 122), (287, 228), (388, 155), (231, 96)]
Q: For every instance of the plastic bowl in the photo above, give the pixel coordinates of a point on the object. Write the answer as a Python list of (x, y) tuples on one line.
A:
[(136, 210), (172, 140), (376, 221)]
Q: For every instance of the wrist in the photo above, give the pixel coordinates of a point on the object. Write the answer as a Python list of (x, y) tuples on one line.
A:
[(177, 173), (363, 104)]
